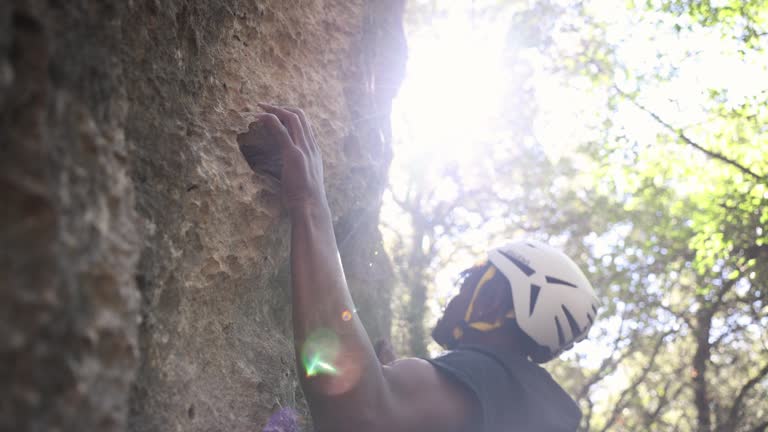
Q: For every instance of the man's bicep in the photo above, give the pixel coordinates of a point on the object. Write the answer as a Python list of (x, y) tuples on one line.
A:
[(425, 399)]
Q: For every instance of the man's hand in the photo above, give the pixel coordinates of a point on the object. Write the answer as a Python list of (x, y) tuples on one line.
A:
[(302, 172)]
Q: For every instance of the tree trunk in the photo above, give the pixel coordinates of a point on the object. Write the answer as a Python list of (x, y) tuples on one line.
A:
[(416, 286), (700, 361), (417, 338)]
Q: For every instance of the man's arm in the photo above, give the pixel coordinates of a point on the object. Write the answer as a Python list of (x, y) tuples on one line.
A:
[(352, 391)]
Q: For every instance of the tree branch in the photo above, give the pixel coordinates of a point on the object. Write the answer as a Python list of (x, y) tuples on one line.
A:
[(620, 405), (608, 365), (664, 400), (680, 315), (762, 427), (733, 415), (681, 135), (588, 416)]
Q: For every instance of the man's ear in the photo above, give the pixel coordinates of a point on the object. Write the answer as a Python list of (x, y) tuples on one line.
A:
[(443, 334)]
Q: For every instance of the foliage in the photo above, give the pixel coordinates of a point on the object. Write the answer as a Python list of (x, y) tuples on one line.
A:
[(665, 204)]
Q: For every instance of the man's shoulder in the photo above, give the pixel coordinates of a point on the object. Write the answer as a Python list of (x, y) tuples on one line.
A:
[(424, 397), (511, 389)]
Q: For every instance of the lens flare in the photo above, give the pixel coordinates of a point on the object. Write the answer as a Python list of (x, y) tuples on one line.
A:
[(316, 366), (319, 352), (346, 315)]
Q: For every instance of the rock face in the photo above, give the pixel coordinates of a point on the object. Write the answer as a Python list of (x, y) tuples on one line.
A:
[(68, 238), (144, 265)]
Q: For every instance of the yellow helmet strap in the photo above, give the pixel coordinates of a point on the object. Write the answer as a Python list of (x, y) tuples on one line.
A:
[(458, 331)]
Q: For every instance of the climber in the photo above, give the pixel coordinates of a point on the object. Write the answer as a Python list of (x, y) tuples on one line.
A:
[(526, 303)]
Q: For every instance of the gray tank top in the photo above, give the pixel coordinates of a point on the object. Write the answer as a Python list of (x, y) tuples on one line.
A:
[(515, 394)]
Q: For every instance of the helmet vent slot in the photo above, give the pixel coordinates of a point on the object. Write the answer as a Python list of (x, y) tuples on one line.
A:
[(555, 280), (560, 336), (534, 296), (521, 265), (575, 330)]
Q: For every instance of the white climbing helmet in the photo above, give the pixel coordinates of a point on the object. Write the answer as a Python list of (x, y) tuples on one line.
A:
[(554, 302)]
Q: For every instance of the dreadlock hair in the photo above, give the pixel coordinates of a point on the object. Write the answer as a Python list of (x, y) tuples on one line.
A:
[(491, 307)]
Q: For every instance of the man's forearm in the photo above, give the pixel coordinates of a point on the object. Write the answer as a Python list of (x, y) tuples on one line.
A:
[(350, 385), (320, 292)]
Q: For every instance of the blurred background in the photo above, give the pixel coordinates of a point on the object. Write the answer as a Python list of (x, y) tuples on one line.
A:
[(632, 134)]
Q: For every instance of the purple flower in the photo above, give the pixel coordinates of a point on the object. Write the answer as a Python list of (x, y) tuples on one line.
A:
[(283, 420)]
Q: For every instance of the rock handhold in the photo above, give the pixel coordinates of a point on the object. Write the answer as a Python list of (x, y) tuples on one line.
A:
[(261, 150)]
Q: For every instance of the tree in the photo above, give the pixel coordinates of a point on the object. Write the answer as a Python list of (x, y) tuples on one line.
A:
[(691, 261), (664, 204)]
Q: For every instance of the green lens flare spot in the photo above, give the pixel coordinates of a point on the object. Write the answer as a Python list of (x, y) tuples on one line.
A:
[(318, 353), (316, 366)]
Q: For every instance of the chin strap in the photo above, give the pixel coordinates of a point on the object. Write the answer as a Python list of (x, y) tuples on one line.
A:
[(483, 326)]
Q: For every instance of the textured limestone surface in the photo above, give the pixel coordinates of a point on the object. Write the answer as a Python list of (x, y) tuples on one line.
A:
[(68, 239), (144, 265)]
